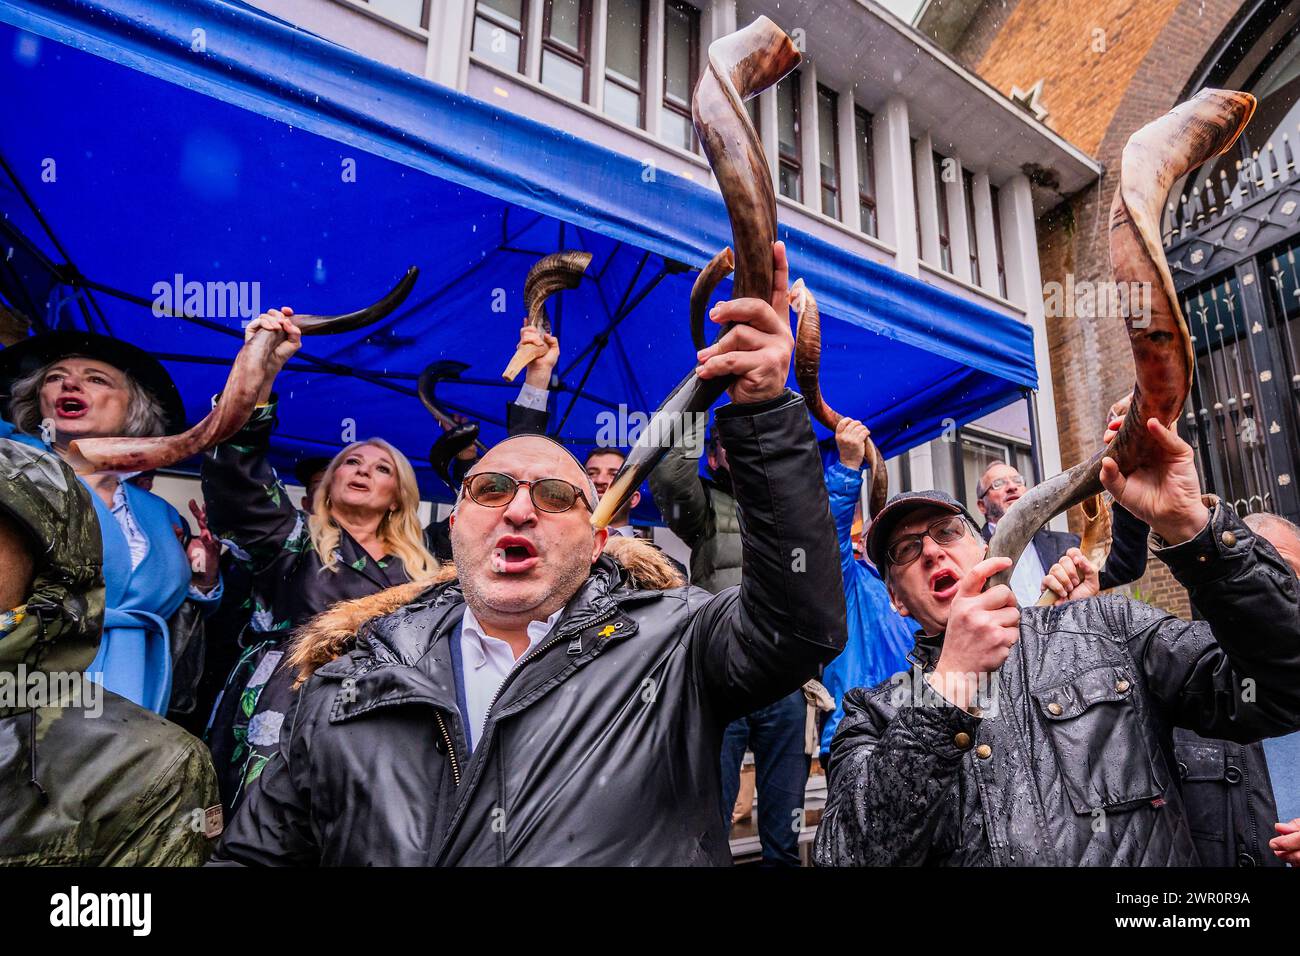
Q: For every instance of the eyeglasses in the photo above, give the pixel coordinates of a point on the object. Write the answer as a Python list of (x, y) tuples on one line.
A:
[(491, 489), (997, 483), (907, 548)]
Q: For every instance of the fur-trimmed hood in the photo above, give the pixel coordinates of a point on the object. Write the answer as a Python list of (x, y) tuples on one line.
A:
[(332, 633)]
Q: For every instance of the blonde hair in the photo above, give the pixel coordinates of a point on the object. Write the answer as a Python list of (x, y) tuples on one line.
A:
[(399, 529)]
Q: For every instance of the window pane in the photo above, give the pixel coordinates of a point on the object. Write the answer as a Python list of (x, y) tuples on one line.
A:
[(496, 43), (565, 21), (787, 116), (623, 105), (677, 53), (830, 203), (868, 219), (561, 75), (675, 128), (866, 168), (791, 187), (406, 12), (623, 46), (510, 10)]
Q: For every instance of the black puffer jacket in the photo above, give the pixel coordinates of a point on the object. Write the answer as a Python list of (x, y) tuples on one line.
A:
[(602, 747), (1076, 765)]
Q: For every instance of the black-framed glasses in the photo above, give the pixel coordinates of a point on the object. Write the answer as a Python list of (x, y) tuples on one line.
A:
[(943, 532), (997, 483), (492, 489)]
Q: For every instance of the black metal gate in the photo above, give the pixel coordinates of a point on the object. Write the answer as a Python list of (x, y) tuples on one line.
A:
[(1234, 252)]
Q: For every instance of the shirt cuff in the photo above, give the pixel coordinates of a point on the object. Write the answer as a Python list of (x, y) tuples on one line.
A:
[(534, 398), (210, 597)]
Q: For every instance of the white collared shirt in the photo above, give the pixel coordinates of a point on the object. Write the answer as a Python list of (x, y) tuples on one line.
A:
[(623, 530), (487, 661), (1027, 576)]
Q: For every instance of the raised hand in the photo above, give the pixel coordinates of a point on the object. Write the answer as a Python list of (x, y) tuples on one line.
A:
[(1166, 494), (1072, 578), (276, 322), (982, 628), (851, 439), (757, 350), (204, 552), (538, 371)]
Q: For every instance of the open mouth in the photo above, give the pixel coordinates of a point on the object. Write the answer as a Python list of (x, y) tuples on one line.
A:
[(943, 584), (513, 555), (70, 407), (358, 486)]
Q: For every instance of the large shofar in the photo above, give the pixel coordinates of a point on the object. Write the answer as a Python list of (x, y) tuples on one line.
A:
[(1154, 158), (549, 275), (807, 372), (237, 401), (741, 65)]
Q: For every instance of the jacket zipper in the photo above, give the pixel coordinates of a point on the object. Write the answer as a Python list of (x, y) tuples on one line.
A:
[(563, 633), (451, 751)]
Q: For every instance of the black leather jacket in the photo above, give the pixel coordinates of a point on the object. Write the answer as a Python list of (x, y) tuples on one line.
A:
[(602, 747), (1076, 765)]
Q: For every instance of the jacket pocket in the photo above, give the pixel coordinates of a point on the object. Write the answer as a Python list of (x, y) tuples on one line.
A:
[(1096, 733), (1203, 767)]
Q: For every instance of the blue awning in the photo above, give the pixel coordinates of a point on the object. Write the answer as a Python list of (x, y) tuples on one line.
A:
[(173, 141)]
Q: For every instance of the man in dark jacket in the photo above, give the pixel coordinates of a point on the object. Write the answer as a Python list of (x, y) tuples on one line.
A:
[(542, 709), (1041, 736)]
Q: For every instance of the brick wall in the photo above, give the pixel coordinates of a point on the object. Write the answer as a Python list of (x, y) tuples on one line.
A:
[(1096, 101), (982, 30)]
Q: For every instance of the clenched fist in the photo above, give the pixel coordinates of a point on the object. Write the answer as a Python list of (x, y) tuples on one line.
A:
[(982, 628)]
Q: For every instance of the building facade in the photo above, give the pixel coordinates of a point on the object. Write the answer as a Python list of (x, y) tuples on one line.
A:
[(1096, 74), (881, 143)]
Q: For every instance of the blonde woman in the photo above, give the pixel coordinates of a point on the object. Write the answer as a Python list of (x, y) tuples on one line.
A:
[(362, 536)]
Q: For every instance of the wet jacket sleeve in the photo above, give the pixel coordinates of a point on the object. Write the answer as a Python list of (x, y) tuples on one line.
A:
[(894, 771), (679, 494), (522, 420), (272, 827), (1127, 560), (762, 640), (247, 503), (168, 827), (844, 489), (1236, 674)]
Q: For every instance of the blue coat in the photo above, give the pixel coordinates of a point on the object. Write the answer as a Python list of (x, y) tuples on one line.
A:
[(134, 659), (879, 637)]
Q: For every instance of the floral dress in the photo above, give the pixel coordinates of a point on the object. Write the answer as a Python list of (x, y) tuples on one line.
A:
[(249, 508)]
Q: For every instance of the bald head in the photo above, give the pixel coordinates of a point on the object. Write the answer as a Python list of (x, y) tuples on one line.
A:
[(516, 562), (1280, 533)]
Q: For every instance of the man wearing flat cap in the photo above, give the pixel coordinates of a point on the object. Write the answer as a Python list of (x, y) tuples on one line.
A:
[(1042, 736)]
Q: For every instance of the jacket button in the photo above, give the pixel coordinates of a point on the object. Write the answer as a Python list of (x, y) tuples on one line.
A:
[(1229, 539), (1245, 859), (1121, 687), (1054, 709), (1232, 775), (1182, 770), (962, 740), (984, 751)]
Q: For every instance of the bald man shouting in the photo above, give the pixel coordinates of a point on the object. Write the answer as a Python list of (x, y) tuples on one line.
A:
[(549, 706)]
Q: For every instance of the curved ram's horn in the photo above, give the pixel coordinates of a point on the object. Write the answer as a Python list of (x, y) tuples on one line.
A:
[(237, 401), (741, 65), (1155, 157), (807, 372), (331, 324), (719, 267), (549, 275)]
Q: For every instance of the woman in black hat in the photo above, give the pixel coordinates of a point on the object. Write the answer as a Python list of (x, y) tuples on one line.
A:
[(361, 535), (66, 385)]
